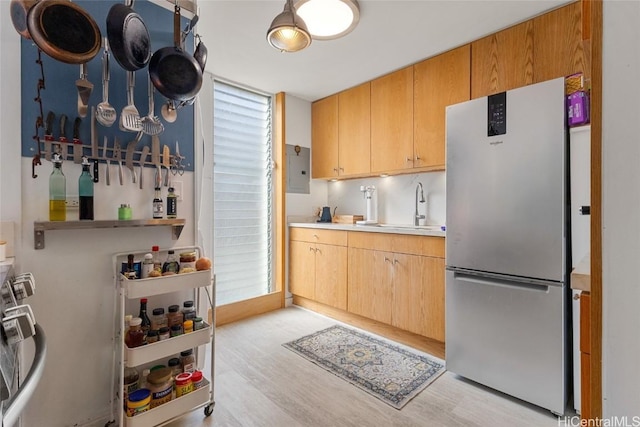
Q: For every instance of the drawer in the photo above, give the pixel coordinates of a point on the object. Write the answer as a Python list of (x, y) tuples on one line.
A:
[(398, 243), (314, 235)]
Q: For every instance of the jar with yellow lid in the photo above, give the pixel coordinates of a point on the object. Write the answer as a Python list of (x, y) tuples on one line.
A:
[(160, 384)]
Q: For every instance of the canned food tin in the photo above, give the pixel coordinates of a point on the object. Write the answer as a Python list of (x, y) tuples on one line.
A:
[(139, 401)]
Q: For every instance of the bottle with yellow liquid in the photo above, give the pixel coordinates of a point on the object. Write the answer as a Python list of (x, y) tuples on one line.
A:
[(57, 191)]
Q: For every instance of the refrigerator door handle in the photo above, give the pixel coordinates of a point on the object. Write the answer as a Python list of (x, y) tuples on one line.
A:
[(502, 281)]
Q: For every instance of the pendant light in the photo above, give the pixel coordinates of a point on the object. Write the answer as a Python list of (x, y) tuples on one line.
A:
[(288, 32), (328, 19)]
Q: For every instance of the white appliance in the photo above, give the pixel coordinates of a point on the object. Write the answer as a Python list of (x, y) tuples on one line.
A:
[(508, 258), (18, 323)]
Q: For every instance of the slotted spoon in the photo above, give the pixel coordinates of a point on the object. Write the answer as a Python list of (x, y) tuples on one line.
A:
[(130, 117), (105, 113), (151, 125)]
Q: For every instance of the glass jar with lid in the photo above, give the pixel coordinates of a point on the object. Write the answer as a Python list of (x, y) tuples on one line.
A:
[(158, 319), (160, 384), (188, 361), (188, 310), (174, 316)]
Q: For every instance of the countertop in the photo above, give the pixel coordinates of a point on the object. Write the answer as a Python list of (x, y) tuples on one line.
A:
[(581, 275), (389, 228)]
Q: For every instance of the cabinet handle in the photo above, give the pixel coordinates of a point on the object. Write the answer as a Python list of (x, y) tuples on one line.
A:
[(315, 236), (318, 250), (395, 261), (576, 297), (335, 170), (408, 159), (386, 259), (311, 249), (342, 169), (417, 157)]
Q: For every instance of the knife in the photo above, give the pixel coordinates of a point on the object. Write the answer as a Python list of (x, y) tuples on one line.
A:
[(106, 158), (131, 146), (166, 162), (77, 144), (62, 138), (143, 159), (48, 134), (155, 159), (94, 135), (118, 158)]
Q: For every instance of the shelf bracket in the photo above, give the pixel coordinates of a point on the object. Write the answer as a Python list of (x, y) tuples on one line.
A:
[(176, 231), (38, 237)]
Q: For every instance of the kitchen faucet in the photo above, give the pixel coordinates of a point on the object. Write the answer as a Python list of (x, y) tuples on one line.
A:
[(417, 217)]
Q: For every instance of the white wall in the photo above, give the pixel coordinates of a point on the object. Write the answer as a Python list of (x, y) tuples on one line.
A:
[(621, 209)]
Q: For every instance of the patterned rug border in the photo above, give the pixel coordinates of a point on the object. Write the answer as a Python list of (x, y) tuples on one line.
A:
[(397, 401)]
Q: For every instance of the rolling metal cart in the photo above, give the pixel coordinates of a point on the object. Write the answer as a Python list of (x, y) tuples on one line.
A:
[(161, 292)]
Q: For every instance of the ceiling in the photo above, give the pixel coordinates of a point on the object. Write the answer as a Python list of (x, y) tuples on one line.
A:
[(391, 34)]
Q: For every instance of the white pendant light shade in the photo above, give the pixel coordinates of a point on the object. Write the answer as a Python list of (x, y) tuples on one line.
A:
[(288, 32), (329, 19)]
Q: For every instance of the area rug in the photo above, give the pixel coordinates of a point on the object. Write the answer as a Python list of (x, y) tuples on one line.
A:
[(391, 373)]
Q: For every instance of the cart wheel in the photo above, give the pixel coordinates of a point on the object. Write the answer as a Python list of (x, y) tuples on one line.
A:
[(110, 423), (208, 410)]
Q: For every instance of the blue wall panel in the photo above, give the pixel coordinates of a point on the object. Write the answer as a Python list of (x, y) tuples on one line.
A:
[(60, 94)]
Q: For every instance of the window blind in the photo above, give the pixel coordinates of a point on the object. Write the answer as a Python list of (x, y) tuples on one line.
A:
[(242, 193)]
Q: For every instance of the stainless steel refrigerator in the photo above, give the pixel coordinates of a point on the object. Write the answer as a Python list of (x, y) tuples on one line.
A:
[(507, 247)]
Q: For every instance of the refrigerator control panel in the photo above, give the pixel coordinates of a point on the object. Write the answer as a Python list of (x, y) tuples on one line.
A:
[(497, 114)]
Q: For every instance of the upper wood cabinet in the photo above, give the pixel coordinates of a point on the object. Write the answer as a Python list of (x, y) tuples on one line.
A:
[(392, 121), (558, 49), (354, 130), (437, 82), (324, 138), (340, 133), (502, 61)]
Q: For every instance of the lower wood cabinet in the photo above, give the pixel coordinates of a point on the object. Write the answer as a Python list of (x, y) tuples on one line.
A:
[(403, 290), (394, 279), (318, 271)]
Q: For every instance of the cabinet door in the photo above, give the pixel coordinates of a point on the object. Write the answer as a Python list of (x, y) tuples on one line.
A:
[(302, 269), (369, 289), (392, 121), (439, 81), (558, 49), (324, 138), (502, 61), (418, 295), (331, 275), (354, 130)]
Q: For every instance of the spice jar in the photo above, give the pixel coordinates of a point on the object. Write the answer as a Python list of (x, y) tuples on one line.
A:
[(187, 326), (158, 319), (188, 361), (160, 384), (164, 334), (130, 380), (147, 265), (188, 310), (197, 380), (174, 316), (176, 330), (139, 401), (183, 384), (152, 336), (198, 323)]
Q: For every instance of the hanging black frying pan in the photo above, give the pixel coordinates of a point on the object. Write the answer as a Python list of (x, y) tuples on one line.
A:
[(64, 31), (128, 37), (174, 73), (19, 11)]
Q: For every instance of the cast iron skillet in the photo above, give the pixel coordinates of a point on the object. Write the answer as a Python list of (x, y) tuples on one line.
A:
[(64, 31), (176, 74), (128, 37), (19, 11)]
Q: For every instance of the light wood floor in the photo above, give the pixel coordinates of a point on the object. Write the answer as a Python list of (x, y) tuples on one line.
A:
[(260, 383)]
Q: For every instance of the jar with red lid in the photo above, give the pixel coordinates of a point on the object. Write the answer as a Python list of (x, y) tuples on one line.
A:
[(197, 380), (184, 384)]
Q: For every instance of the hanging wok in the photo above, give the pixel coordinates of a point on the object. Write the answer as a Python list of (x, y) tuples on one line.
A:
[(64, 31), (19, 11), (128, 37), (174, 73)]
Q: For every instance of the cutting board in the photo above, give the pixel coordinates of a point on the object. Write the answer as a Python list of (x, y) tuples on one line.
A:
[(347, 219)]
